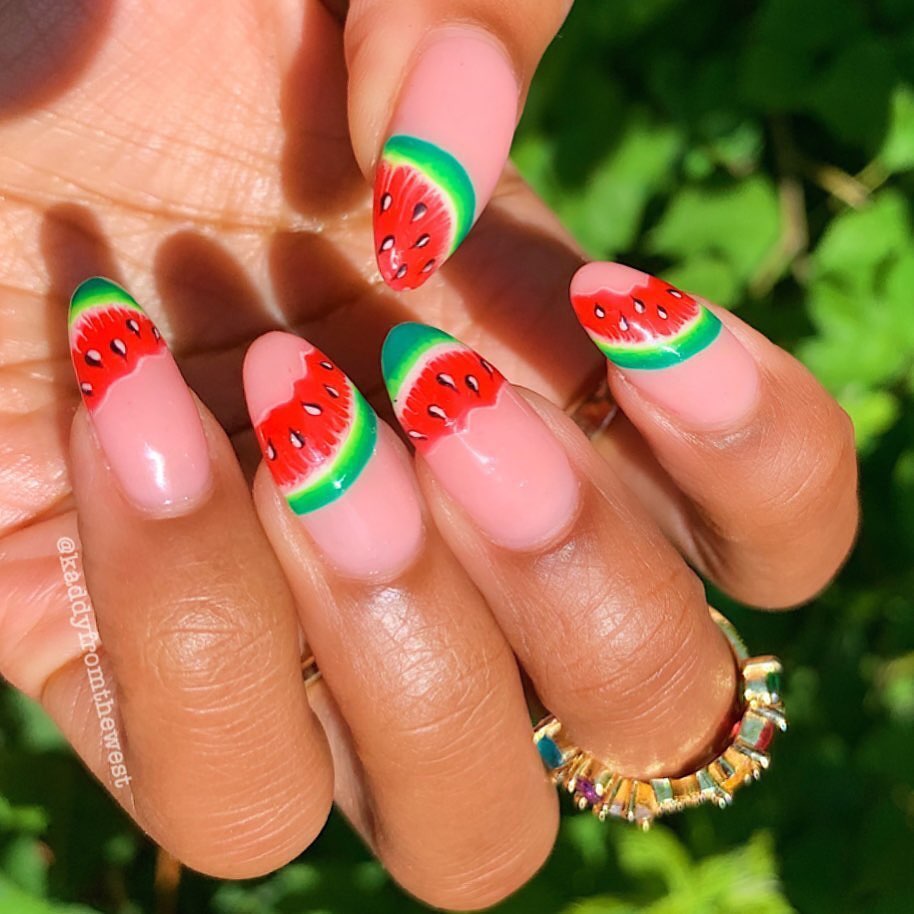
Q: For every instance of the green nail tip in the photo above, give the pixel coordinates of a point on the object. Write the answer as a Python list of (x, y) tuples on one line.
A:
[(99, 292), (442, 169), (405, 345)]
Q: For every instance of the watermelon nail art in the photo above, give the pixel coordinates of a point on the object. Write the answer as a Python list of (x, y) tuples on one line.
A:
[(668, 343), (644, 322), (337, 467), (143, 414), (434, 382), (447, 146), (424, 205), (109, 335), (483, 442), (318, 435)]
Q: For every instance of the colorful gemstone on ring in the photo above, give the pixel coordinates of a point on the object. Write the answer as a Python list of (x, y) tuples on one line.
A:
[(552, 756), (586, 789)]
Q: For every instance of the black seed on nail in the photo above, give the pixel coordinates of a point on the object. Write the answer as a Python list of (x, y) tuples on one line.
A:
[(412, 433), (270, 451), (401, 271), (419, 210), (332, 391), (327, 365), (599, 313), (486, 365), (661, 313), (118, 347), (133, 326), (675, 293), (94, 358), (423, 241), (428, 267), (298, 440), (639, 305), (446, 380), (386, 200), (387, 244), (312, 409), (86, 388), (437, 412), (472, 383), (623, 324), (156, 334)]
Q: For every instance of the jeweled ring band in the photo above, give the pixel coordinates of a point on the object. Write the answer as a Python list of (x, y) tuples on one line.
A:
[(742, 760)]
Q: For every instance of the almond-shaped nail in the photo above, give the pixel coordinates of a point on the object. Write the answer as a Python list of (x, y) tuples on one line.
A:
[(448, 142), (488, 448), (341, 470), (668, 344), (143, 414)]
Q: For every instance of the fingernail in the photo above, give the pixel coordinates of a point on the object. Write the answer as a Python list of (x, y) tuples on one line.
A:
[(449, 140), (670, 346), (340, 470), (143, 414), (481, 440)]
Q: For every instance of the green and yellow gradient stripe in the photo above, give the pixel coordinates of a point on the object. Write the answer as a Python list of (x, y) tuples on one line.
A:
[(99, 293), (344, 469), (692, 339), (442, 170)]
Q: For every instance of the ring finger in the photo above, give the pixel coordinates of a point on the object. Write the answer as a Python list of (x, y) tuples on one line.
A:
[(600, 608)]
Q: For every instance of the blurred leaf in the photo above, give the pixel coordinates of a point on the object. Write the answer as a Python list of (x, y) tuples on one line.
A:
[(606, 213), (656, 854), (872, 412), (737, 225), (14, 901), (710, 277), (897, 153), (602, 904), (786, 45), (851, 96)]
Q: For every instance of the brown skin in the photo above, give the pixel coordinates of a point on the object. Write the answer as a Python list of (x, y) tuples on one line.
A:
[(209, 169)]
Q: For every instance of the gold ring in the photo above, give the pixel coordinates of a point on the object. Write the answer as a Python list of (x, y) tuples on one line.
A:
[(595, 785), (594, 412), (309, 670)]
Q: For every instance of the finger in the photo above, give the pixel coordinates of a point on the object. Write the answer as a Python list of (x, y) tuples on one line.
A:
[(206, 709), (435, 91), (423, 678), (607, 619), (764, 455)]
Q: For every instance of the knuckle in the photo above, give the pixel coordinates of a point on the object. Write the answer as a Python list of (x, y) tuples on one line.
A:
[(640, 629), (445, 693), (204, 652)]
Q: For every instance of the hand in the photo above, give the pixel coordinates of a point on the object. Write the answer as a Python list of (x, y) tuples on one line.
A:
[(205, 162)]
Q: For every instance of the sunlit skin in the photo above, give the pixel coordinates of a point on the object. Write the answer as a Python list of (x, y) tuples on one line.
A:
[(219, 167)]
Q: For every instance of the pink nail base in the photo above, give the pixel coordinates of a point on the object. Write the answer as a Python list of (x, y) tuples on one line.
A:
[(151, 434), (509, 473), (375, 529), (715, 388)]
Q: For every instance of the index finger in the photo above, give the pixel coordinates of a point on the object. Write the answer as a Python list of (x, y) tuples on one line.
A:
[(435, 92)]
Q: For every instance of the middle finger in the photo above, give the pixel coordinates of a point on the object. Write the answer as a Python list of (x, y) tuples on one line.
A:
[(602, 611)]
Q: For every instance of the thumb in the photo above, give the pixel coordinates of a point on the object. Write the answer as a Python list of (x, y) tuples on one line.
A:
[(435, 92)]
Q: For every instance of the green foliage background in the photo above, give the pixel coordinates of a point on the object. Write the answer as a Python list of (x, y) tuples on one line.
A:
[(762, 154)]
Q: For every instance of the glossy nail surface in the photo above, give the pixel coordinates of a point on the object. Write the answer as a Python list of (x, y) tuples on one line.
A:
[(667, 343), (338, 468), (483, 442), (448, 143), (142, 412)]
